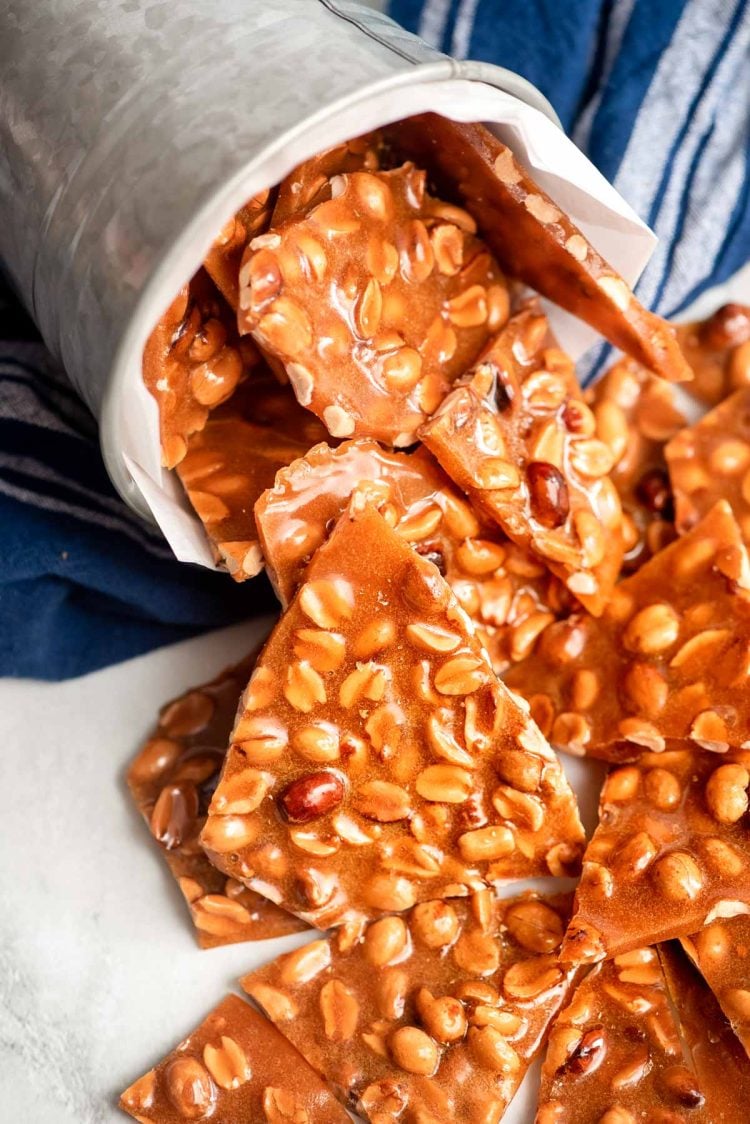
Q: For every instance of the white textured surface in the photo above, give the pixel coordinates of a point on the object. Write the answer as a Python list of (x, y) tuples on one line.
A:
[(99, 972)]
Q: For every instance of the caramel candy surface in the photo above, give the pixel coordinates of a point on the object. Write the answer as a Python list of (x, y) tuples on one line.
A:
[(222, 262), (671, 852), (716, 1055), (711, 461), (721, 952), (509, 595), (310, 182), (234, 1067), (373, 301), (193, 361), (615, 1055), (668, 658), (431, 1016), (534, 240), (718, 351), (172, 780), (235, 458), (636, 416), (376, 760), (517, 437)]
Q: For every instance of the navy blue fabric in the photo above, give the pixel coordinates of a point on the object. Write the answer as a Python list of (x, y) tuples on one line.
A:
[(656, 92), (83, 583)]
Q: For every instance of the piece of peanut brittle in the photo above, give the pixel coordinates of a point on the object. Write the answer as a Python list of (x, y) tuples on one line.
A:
[(374, 301), (433, 1016), (668, 657), (671, 852), (376, 760), (517, 437), (172, 780)]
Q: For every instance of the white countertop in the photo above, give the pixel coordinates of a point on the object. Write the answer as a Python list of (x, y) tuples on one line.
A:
[(99, 972)]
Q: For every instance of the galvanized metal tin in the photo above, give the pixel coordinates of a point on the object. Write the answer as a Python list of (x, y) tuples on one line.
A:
[(131, 130)]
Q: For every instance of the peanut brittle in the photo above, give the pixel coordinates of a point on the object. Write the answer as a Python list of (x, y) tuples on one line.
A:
[(615, 1054), (718, 351), (635, 416), (310, 182), (710, 461), (192, 361), (222, 262), (716, 1055), (721, 952), (235, 1066), (172, 780), (534, 240), (235, 457), (517, 437), (374, 301), (376, 760), (670, 854), (509, 595), (431, 1017), (668, 658)]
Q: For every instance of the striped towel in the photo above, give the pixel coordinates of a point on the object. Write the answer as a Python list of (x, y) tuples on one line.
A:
[(83, 582), (656, 92)]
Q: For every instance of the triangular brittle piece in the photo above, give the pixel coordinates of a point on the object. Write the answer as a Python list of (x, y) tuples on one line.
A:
[(192, 361), (376, 760), (431, 1017), (715, 1054), (671, 852), (711, 461), (235, 457), (517, 437), (171, 781), (722, 953), (223, 260), (374, 301), (509, 595), (615, 1055), (534, 240), (310, 182), (234, 1067), (718, 351), (668, 658), (636, 415)]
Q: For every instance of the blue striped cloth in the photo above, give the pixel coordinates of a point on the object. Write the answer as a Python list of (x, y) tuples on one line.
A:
[(83, 582), (657, 93)]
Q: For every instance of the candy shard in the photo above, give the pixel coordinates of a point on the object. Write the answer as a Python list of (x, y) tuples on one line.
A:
[(718, 352), (365, 310), (235, 1066), (674, 639), (670, 853), (235, 457), (310, 182), (632, 1046), (481, 796), (517, 437), (710, 461), (222, 262), (636, 415), (721, 952), (715, 1054), (458, 992), (171, 781), (508, 594), (535, 241), (192, 362)]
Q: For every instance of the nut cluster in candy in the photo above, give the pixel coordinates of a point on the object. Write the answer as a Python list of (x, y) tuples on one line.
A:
[(480, 564)]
